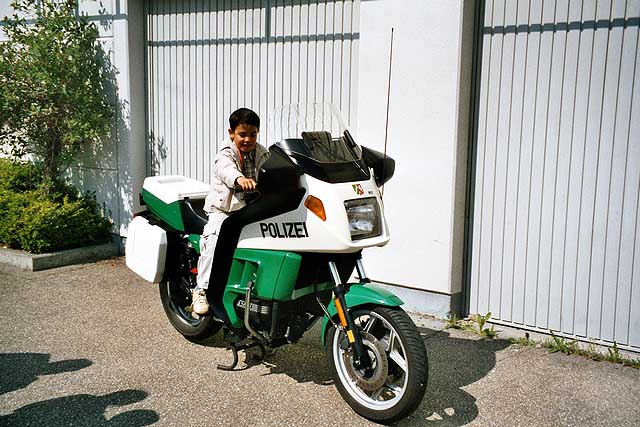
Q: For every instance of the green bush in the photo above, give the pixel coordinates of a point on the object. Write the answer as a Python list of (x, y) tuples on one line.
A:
[(12, 206), (40, 220), (19, 176)]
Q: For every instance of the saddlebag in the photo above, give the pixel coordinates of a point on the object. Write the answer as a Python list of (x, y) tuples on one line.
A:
[(146, 249)]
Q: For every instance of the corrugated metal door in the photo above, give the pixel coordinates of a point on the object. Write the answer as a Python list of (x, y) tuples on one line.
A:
[(556, 230), (205, 58)]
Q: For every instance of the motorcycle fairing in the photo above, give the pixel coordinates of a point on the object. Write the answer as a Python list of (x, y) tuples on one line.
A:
[(273, 272), (338, 169), (280, 276), (313, 234), (383, 166), (362, 294)]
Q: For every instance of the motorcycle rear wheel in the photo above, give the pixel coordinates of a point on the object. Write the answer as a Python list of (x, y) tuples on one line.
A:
[(395, 385), (176, 301)]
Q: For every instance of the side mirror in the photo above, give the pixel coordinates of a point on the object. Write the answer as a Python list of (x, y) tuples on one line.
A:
[(383, 166)]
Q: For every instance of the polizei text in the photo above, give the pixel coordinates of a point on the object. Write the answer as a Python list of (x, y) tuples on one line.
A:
[(284, 229)]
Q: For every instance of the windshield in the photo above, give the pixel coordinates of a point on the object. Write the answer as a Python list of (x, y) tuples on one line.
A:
[(314, 131)]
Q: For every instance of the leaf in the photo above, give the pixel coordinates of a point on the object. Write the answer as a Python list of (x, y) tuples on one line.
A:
[(52, 73)]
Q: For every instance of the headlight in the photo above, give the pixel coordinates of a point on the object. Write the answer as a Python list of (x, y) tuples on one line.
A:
[(364, 218)]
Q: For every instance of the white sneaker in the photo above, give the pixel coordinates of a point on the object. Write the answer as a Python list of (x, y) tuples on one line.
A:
[(199, 302)]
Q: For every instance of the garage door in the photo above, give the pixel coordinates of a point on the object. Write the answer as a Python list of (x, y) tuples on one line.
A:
[(206, 58), (556, 227)]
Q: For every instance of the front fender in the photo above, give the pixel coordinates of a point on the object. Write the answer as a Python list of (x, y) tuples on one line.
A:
[(362, 294)]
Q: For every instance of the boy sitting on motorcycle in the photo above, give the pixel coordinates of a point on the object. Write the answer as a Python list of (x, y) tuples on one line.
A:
[(236, 164)]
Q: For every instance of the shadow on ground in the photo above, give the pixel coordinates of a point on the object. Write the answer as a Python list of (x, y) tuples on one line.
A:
[(84, 410), (454, 362), (304, 361), (18, 370)]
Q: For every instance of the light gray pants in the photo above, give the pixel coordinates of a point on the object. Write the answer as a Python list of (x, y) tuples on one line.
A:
[(208, 242)]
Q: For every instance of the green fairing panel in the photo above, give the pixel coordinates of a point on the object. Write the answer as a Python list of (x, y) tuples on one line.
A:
[(274, 274), (195, 241), (362, 294), (169, 213)]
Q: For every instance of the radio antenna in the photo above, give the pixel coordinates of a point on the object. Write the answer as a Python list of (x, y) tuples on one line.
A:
[(386, 126)]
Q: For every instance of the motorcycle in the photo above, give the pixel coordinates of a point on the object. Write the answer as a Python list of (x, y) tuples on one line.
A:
[(284, 261)]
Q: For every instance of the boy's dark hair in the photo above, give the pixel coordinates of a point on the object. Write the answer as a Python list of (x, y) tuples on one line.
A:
[(243, 116)]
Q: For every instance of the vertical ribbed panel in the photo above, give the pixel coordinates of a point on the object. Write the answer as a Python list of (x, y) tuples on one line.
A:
[(556, 234), (205, 58)]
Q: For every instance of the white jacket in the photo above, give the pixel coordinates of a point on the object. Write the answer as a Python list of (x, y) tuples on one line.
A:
[(227, 169)]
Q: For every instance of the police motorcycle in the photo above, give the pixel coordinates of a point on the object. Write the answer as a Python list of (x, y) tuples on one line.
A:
[(284, 261)]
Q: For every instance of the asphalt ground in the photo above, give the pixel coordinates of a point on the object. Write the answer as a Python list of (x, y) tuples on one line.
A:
[(89, 345)]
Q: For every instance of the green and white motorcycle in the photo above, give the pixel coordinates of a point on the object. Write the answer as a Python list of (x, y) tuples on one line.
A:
[(284, 261)]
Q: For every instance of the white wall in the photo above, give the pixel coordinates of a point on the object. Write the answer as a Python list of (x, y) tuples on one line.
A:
[(428, 109), (115, 168)]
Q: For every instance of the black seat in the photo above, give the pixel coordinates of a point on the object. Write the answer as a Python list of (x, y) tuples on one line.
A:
[(194, 217)]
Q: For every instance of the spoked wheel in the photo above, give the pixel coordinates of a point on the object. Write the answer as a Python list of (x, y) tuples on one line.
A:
[(175, 293), (393, 387)]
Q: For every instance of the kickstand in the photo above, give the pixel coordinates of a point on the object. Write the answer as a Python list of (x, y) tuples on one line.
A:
[(235, 348)]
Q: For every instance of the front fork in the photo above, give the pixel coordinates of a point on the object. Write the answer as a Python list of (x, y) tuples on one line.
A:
[(361, 359)]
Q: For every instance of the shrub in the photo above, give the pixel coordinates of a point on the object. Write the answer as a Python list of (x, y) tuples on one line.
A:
[(53, 225), (36, 219), (19, 176), (12, 206)]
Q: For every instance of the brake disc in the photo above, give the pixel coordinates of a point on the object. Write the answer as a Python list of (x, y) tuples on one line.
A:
[(369, 379)]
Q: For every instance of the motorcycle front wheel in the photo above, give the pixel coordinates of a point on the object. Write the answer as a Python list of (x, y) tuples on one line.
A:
[(175, 293), (393, 387)]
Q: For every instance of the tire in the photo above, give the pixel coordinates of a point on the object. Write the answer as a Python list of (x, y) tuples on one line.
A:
[(175, 293), (399, 359)]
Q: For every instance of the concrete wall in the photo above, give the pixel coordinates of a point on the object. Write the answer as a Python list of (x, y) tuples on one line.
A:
[(427, 136), (115, 169)]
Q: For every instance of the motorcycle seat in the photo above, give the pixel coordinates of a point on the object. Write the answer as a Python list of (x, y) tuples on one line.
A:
[(194, 217)]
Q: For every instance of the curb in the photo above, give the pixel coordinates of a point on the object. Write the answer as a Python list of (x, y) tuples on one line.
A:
[(36, 262)]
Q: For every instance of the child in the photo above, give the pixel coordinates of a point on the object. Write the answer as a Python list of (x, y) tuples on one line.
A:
[(236, 164)]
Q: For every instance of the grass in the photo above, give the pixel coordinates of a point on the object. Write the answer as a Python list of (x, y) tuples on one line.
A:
[(475, 325), (477, 322), (523, 341), (558, 344), (454, 322)]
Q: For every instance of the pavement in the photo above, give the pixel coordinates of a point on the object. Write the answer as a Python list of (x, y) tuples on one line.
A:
[(89, 345)]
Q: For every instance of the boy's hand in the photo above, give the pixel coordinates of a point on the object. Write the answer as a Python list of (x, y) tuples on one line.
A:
[(246, 184)]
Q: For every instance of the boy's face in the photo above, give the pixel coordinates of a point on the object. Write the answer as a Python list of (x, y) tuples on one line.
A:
[(245, 137)]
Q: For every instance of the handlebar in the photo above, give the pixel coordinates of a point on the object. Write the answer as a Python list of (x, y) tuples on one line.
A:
[(249, 196), (238, 189)]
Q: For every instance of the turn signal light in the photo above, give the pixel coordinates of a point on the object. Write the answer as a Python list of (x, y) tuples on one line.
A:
[(315, 205)]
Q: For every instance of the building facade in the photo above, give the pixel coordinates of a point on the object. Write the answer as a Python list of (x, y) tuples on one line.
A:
[(514, 125)]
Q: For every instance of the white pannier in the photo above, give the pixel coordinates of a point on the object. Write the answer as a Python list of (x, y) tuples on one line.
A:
[(146, 249)]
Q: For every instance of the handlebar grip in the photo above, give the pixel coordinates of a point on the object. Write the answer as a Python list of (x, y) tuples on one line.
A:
[(238, 189), (248, 196)]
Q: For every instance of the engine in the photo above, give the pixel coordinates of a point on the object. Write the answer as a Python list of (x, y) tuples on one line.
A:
[(259, 313), (279, 322)]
